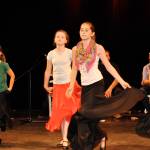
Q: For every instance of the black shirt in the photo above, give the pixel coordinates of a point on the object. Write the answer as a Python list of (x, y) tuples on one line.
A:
[(108, 78)]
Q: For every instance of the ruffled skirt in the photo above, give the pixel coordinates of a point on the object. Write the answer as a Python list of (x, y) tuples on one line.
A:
[(63, 107), (84, 130)]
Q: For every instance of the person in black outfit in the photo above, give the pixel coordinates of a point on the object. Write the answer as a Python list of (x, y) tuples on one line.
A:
[(144, 105), (143, 125), (111, 85), (146, 85)]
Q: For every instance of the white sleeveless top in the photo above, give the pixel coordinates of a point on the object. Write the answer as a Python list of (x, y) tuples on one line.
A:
[(61, 65), (92, 76)]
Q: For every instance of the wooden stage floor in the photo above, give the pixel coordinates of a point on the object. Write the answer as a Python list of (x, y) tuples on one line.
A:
[(33, 136)]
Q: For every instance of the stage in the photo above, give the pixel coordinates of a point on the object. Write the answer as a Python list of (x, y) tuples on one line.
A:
[(33, 136)]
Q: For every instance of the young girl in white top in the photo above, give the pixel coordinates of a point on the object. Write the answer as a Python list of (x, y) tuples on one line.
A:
[(59, 65)]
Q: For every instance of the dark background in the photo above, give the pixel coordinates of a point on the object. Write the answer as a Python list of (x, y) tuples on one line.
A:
[(27, 31)]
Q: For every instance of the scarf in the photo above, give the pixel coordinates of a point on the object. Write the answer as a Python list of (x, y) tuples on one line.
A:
[(87, 55)]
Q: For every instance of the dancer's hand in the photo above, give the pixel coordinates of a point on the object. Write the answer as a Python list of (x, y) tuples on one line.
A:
[(9, 89), (69, 91), (125, 85), (108, 92), (49, 90)]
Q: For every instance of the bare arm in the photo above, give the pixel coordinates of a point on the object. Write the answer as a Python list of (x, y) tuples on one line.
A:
[(145, 77), (73, 74), (145, 82), (110, 68), (47, 74), (12, 79), (108, 92)]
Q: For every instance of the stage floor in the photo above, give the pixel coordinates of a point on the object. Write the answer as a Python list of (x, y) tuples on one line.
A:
[(33, 136)]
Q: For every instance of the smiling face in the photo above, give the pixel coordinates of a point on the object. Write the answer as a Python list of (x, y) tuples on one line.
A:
[(86, 31), (60, 38)]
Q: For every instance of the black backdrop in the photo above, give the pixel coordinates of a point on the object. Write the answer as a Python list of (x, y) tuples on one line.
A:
[(26, 34)]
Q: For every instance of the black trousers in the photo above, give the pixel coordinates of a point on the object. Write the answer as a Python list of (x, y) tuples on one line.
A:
[(4, 110), (145, 101)]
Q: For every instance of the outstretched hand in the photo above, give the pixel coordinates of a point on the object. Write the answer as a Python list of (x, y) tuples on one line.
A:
[(125, 85)]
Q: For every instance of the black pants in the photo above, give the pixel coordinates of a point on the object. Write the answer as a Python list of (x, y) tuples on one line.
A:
[(4, 110), (145, 101)]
